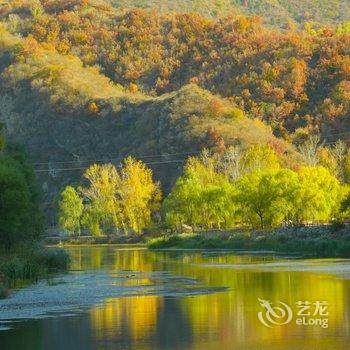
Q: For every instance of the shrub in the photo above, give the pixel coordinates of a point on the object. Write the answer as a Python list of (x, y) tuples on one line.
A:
[(56, 259), (12, 268), (30, 263), (337, 226)]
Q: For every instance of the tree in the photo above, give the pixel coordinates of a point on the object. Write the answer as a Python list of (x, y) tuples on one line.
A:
[(339, 153), (218, 206), (123, 200), (347, 167), (309, 150), (14, 203), (266, 197), (140, 195), (201, 197), (345, 204), (231, 163), (182, 204), (2, 138), (70, 210), (328, 160), (36, 9), (102, 208), (319, 196), (260, 157), (34, 216), (20, 215)]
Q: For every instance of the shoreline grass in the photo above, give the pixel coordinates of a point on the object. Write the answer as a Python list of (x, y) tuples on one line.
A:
[(312, 244), (27, 264), (95, 240)]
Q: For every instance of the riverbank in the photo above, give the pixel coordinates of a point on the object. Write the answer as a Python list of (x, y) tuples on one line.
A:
[(27, 264), (96, 240), (316, 241), (325, 242)]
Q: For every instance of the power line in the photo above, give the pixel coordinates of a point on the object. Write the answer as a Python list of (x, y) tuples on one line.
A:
[(195, 152), (115, 159), (83, 168)]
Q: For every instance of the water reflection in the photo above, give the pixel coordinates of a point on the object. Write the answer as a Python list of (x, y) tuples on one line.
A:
[(223, 320)]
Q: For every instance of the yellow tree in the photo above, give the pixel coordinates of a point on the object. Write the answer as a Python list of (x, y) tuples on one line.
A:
[(102, 207), (140, 195), (119, 200), (260, 157)]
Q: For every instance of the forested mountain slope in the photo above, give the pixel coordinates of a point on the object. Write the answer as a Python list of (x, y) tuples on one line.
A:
[(69, 116), (273, 12), (297, 81), (83, 82)]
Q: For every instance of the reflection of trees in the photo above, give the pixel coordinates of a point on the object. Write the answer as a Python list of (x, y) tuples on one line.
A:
[(112, 257), (220, 319), (174, 328), (127, 320), (30, 336), (143, 322), (232, 316)]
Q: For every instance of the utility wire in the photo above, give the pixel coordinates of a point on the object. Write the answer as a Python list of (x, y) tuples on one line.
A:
[(114, 159), (83, 168), (195, 152)]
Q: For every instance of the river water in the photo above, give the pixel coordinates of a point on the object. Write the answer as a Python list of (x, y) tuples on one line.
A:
[(130, 298)]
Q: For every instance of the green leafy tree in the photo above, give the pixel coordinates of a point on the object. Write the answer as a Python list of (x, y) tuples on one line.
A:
[(320, 194), (345, 204), (181, 206), (70, 210), (201, 197), (14, 204), (20, 215), (34, 215), (266, 197)]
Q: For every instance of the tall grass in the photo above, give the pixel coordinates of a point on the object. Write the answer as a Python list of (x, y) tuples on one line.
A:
[(318, 246), (29, 263)]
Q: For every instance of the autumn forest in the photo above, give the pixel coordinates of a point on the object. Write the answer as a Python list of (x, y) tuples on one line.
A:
[(99, 82), (174, 174)]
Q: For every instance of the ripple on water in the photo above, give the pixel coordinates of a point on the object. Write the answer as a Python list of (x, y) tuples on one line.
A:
[(77, 291), (337, 267)]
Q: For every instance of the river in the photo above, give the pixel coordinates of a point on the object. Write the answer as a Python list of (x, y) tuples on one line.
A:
[(131, 298)]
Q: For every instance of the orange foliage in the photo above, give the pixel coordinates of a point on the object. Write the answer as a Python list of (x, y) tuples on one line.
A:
[(93, 108)]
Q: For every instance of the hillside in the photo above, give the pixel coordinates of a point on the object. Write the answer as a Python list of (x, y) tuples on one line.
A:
[(273, 12), (82, 82), (296, 81), (292, 80), (69, 116)]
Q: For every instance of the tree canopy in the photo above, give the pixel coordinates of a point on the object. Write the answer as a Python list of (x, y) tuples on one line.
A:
[(111, 200), (20, 214)]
